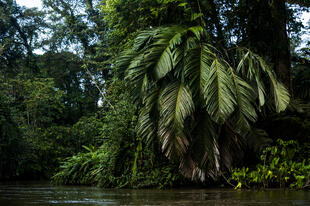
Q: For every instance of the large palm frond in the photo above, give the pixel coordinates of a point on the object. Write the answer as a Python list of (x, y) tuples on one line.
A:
[(147, 122), (218, 93), (202, 158), (176, 105), (245, 99), (253, 67), (194, 101), (196, 70)]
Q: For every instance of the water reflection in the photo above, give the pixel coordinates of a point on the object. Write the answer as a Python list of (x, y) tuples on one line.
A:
[(45, 194)]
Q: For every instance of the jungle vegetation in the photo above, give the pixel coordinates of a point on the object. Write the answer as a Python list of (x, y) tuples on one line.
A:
[(163, 93)]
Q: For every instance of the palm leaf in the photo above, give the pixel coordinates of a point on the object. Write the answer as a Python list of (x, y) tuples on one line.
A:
[(144, 39), (176, 105), (250, 70), (163, 52), (218, 93), (159, 56), (280, 93), (255, 68), (203, 150), (147, 126), (197, 31), (124, 60), (231, 146), (196, 70), (244, 95)]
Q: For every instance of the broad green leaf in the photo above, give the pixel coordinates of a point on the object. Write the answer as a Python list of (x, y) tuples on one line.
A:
[(176, 105), (195, 16), (147, 126), (182, 4), (245, 104), (196, 70), (219, 96)]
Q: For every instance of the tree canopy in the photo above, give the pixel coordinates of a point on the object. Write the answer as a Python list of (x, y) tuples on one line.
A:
[(175, 85)]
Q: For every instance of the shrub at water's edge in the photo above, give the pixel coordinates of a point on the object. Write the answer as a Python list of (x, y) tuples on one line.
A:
[(99, 167), (122, 160), (278, 168)]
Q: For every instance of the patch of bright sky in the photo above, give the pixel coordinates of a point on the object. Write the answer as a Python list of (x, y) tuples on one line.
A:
[(30, 3), (305, 18)]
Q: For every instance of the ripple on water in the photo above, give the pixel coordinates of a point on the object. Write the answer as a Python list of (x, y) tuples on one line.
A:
[(43, 194)]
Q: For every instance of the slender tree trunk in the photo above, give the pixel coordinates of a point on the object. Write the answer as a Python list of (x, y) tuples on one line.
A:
[(282, 51)]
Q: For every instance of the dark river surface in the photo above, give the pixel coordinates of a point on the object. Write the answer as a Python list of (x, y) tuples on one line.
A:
[(43, 194)]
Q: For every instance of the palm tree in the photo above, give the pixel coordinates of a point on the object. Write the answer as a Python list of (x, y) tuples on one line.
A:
[(199, 103)]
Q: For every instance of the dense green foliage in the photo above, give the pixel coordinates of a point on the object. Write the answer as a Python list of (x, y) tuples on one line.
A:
[(146, 93), (121, 160), (98, 167), (11, 141), (279, 167)]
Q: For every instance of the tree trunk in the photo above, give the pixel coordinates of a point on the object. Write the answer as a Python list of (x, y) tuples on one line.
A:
[(267, 35), (282, 51)]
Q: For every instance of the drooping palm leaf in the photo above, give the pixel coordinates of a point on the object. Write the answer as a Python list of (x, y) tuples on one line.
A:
[(159, 54), (147, 122), (219, 96), (255, 68), (251, 71), (163, 52), (281, 96), (198, 61), (176, 105), (231, 146), (144, 39), (203, 150), (124, 60), (244, 94), (280, 93)]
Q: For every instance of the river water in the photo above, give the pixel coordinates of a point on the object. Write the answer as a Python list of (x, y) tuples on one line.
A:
[(24, 194)]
